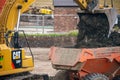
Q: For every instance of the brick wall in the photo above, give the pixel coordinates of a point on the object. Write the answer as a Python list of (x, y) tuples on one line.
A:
[(65, 19), (44, 41)]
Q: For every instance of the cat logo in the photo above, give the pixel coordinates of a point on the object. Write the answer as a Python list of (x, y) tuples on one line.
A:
[(17, 58), (16, 55)]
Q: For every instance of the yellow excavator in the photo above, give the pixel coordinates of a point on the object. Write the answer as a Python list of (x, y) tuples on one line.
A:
[(13, 58)]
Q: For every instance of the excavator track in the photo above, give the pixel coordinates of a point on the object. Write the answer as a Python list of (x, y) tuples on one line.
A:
[(25, 76)]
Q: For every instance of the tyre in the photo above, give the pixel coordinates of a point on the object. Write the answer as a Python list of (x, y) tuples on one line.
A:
[(45, 77), (95, 76), (62, 75)]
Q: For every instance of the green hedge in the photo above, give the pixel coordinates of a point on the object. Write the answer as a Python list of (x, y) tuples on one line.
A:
[(71, 33)]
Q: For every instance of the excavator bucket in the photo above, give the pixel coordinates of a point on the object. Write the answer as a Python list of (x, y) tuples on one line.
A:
[(95, 28)]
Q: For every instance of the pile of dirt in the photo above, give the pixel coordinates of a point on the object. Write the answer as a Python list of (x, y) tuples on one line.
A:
[(113, 40), (94, 31)]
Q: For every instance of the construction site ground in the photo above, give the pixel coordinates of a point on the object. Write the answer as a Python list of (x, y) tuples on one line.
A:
[(42, 62), (42, 66)]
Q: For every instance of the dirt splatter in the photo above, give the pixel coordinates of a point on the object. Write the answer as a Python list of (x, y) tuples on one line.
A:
[(94, 30)]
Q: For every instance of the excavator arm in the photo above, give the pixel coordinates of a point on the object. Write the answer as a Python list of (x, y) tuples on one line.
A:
[(88, 5), (96, 22), (9, 14)]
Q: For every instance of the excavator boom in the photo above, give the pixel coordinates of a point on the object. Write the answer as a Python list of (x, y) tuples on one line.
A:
[(88, 5), (9, 14)]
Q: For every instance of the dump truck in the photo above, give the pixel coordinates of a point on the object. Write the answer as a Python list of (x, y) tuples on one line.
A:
[(96, 55)]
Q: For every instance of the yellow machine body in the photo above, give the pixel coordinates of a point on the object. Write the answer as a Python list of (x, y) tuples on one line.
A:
[(82, 3), (12, 59)]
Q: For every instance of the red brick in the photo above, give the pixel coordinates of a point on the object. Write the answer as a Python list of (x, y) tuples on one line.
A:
[(65, 18)]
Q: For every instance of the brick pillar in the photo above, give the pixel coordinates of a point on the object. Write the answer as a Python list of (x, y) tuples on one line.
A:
[(65, 18)]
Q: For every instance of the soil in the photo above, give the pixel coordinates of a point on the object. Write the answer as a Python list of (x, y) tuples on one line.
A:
[(94, 32), (113, 40), (42, 62)]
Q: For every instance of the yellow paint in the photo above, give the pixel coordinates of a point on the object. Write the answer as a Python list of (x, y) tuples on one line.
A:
[(9, 15), (45, 11), (82, 3), (6, 63), (8, 19), (28, 62)]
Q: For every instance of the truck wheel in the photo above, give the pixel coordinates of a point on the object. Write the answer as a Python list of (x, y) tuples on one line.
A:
[(95, 76), (62, 75), (45, 77)]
